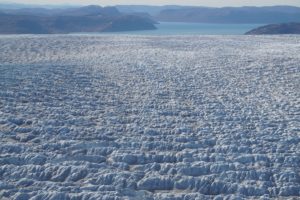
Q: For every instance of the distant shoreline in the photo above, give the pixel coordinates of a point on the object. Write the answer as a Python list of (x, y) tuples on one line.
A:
[(143, 19)]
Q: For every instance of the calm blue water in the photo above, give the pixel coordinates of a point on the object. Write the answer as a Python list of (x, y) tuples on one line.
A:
[(179, 28)]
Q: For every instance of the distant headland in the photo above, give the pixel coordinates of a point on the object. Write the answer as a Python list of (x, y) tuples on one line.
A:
[(71, 20), (273, 29)]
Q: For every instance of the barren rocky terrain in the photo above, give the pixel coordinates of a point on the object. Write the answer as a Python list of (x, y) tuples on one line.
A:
[(149, 117)]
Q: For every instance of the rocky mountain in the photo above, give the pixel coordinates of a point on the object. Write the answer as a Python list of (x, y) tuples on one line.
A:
[(83, 19), (272, 29), (151, 10)]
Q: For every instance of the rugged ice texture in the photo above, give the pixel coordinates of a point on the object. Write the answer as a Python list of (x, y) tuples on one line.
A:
[(131, 117)]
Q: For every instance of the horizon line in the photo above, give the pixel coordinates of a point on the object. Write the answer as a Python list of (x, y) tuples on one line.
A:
[(152, 5)]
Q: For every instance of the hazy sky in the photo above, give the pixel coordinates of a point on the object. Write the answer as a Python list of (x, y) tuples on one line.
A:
[(218, 3)]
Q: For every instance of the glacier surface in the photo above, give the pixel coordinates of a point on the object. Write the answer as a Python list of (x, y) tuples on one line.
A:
[(149, 117)]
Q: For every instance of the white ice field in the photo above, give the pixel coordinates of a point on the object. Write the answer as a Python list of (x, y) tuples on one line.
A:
[(149, 117)]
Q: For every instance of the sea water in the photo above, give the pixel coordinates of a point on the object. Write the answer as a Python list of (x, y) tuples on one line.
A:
[(181, 28)]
